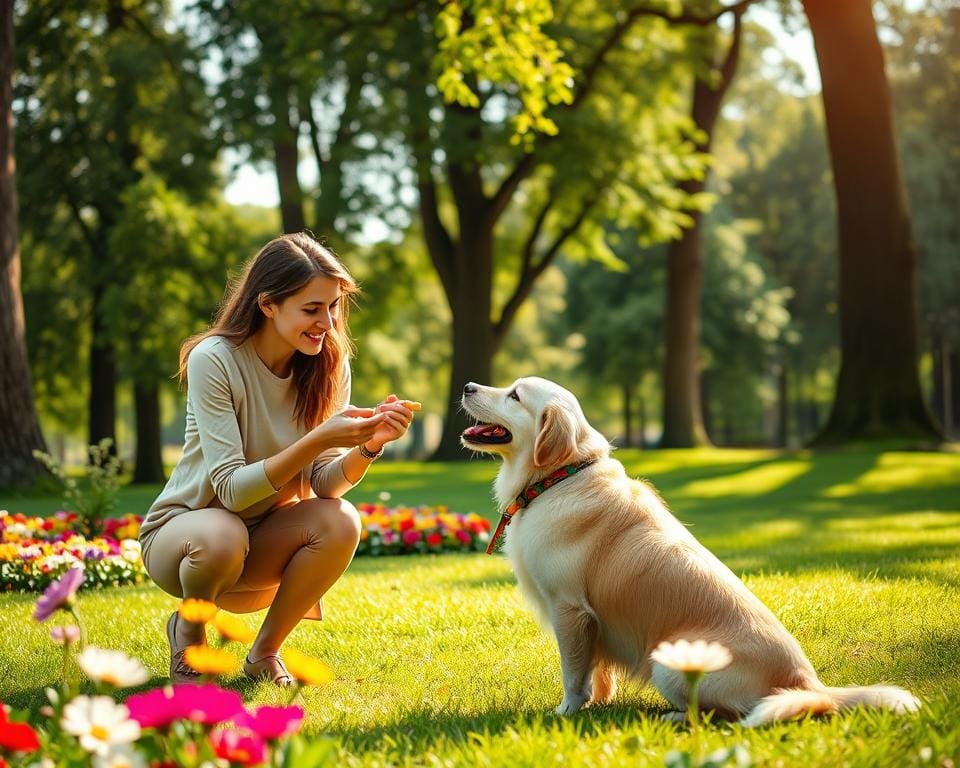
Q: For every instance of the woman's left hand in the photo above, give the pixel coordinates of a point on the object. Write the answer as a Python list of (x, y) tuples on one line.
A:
[(394, 426)]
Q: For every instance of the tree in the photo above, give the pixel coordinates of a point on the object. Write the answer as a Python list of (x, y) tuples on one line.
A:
[(682, 417), (878, 390), (619, 314), (21, 434), (615, 151), (107, 93), (924, 55)]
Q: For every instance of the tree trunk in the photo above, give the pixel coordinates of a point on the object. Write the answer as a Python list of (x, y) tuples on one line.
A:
[(642, 418), (682, 416), (149, 457), (782, 432), (953, 392), (20, 434), (878, 389), (707, 411), (286, 158), (627, 415), (102, 407), (472, 337), (944, 395)]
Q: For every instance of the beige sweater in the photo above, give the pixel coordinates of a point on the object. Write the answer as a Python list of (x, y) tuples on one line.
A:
[(240, 413)]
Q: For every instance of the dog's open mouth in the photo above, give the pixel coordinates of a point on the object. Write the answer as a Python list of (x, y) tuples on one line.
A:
[(487, 433)]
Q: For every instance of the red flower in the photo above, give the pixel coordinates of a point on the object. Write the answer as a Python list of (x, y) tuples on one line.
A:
[(405, 524), (239, 746), (434, 539), (17, 737), (411, 537)]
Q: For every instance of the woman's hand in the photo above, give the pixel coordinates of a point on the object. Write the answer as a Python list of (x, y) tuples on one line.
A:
[(398, 415), (350, 427)]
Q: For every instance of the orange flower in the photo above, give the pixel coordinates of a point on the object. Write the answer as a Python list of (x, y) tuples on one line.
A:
[(307, 669), (232, 628), (197, 611), (210, 661)]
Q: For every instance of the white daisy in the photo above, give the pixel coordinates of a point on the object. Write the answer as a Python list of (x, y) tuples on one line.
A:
[(99, 723), (698, 656), (111, 667)]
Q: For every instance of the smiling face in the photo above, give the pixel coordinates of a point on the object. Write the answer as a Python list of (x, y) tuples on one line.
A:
[(300, 322)]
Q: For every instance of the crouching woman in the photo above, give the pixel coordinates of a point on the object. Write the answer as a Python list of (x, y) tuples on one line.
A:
[(252, 515)]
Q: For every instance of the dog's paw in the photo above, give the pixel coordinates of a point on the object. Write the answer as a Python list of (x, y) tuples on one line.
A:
[(570, 705), (674, 717)]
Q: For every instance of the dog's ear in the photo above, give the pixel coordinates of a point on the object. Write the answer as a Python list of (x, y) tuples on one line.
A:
[(556, 442)]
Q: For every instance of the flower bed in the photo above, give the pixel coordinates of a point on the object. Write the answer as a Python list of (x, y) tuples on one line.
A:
[(34, 551), (407, 530), (37, 550)]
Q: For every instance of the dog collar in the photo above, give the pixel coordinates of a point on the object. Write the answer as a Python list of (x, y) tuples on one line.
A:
[(530, 493)]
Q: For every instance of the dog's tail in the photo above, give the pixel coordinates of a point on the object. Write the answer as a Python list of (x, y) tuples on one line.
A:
[(798, 702)]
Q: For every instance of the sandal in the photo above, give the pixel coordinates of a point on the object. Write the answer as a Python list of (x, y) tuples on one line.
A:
[(268, 668), (180, 671)]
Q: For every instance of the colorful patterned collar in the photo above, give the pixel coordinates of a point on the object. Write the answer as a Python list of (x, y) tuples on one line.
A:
[(530, 493)]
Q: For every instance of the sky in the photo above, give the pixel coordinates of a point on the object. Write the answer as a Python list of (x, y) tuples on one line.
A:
[(258, 186)]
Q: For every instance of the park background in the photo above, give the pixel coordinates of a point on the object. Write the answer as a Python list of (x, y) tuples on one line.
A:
[(742, 254)]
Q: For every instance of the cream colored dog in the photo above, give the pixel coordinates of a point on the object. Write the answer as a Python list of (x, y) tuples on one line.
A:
[(613, 573)]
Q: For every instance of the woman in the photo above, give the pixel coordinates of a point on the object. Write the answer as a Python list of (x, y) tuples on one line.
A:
[(252, 515)]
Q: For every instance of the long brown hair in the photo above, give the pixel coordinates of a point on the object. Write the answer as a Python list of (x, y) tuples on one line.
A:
[(281, 268)]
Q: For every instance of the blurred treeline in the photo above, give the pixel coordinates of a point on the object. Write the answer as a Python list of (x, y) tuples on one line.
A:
[(385, 130)]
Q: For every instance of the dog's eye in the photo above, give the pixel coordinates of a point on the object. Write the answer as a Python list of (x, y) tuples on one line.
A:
[(514, 395)]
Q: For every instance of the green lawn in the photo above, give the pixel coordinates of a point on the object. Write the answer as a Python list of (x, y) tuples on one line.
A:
[(439, 663)]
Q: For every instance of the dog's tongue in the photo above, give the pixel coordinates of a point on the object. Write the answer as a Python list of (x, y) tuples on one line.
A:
[(490, 430)]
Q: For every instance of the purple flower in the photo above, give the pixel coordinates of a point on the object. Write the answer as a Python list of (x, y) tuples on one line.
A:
[(58, 594)]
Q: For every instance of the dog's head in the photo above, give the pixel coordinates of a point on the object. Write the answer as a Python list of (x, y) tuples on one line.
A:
[(533, 421)]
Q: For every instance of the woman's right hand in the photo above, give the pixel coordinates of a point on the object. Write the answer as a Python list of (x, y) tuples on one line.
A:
[(349, 428)]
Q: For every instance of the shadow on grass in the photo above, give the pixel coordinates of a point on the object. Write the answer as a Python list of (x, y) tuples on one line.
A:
[(421, 730)]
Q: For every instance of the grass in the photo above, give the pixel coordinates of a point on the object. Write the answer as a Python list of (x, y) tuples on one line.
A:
[(439, 663)]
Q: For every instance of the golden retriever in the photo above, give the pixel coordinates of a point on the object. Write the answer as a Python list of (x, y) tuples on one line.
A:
[(613, 573)]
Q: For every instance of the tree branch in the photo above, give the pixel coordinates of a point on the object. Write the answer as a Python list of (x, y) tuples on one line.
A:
[(532, 270), (84, 227), (526, 165), (729, 67)]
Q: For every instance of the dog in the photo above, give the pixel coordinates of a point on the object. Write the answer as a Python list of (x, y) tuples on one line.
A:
[(613, 573)]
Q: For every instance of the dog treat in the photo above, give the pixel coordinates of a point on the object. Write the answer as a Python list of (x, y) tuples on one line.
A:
[(413, 405)]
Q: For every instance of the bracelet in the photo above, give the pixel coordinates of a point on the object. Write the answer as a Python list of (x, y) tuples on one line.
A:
[(369, 454)]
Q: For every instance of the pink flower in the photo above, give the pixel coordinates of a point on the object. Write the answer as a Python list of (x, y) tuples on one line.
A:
[(239, 746), (59, 594), (463, 536), (67, 635), (271, 722), (411, 537), (208, 704)]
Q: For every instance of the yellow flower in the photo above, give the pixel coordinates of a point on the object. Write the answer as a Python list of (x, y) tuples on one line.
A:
[(197, 611), (233, 628), (210, 661), (307, 669)]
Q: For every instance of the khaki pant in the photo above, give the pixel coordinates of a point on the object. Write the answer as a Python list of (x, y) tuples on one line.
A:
[(286, 559)]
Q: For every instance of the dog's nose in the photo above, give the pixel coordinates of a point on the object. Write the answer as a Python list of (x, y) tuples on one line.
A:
[(470, 389)]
